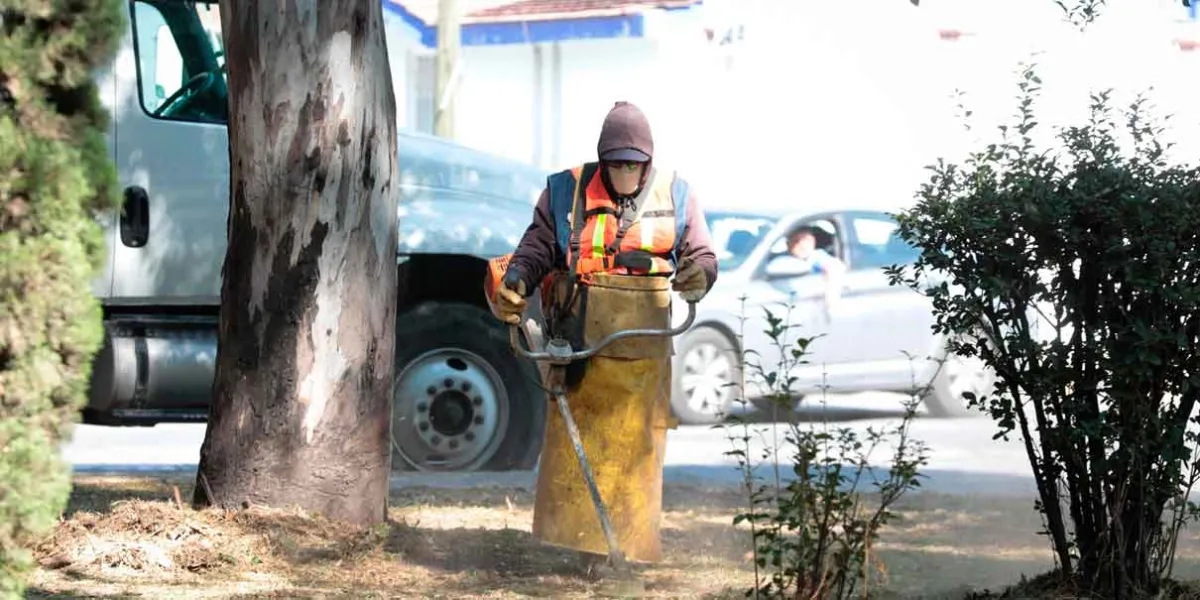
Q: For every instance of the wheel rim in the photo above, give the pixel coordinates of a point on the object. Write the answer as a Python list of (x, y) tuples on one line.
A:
[(707, 374), (968, 374), (449, 411)]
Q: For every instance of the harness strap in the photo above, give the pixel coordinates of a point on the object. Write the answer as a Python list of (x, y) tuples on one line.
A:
[(578, 220), (578, 213)]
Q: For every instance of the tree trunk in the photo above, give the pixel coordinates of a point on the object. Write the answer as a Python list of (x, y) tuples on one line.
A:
[(302, 393)]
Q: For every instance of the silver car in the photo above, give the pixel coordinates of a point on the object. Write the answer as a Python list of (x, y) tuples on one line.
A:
[(878, 337)]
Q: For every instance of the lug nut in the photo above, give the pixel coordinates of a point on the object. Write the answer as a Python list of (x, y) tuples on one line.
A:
[(423, 426), (449, 383), (422, 407), (454, 444), (478, 419), (435, 440), (431, 390), (466, 387), (477, 401), (470, 436)]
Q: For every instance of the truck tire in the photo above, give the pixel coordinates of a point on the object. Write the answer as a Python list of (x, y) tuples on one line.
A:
[(462, 400)]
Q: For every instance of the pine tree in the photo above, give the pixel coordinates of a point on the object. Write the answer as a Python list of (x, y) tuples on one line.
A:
[(55, 172)]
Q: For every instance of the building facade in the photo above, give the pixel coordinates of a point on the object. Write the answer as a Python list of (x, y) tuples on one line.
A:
[(742, 92)]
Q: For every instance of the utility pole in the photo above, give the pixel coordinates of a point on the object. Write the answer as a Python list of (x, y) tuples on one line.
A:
[(447, 75)]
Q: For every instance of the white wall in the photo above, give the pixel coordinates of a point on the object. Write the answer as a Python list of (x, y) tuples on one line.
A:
[(729, 125), (404, 47), (495, 98), (824, 104), (507, 103), (595, 75), (1130, 48)]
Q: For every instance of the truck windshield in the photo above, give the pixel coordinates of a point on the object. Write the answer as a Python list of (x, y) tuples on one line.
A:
[(431, 163), (181, 58)]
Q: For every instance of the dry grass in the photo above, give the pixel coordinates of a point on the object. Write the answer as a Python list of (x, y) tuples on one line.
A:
[(127, 537)]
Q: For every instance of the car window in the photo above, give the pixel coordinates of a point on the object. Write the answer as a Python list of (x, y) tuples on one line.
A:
[(827, 238), (180, 60), (877, 244), (735, 236)]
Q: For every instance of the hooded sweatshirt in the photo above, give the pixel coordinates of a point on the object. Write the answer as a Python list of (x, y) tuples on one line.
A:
[(625, 131)]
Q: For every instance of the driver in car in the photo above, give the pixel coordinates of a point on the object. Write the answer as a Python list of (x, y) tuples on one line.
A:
[(805, 257)]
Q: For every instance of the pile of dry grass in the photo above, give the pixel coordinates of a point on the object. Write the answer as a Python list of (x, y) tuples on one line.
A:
[(165, 539), (134, 537)]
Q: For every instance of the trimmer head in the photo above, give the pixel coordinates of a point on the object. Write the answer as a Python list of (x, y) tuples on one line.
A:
[(630, 587), (619, 580)]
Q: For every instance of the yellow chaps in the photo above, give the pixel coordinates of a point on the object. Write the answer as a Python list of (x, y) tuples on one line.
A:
[(622, 410)]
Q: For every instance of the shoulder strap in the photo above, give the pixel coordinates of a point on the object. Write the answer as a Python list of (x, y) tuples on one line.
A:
[(578, 218), (679, 197)]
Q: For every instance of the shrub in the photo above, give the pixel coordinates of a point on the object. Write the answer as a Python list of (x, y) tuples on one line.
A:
[(1074, 272), (54, 171), (813, 527)]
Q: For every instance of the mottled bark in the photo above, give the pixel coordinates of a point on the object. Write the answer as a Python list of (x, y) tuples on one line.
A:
[(301, 398)]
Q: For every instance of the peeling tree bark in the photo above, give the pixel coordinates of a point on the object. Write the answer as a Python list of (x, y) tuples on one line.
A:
[(302, 393)]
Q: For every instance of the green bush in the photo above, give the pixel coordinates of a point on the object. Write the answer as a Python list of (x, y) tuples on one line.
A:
[(1072, 272), (55, 171), (814, 518)]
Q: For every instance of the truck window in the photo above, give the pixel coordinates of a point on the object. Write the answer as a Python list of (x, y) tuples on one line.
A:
[(180, 59)]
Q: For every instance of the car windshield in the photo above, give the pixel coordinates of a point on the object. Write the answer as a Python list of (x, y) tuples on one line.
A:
[(735, 235)]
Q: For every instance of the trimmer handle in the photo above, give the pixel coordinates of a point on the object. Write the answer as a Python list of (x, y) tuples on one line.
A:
[(512, 279), (559, 352)]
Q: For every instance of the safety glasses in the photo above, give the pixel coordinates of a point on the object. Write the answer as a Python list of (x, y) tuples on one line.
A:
[(629, 166)]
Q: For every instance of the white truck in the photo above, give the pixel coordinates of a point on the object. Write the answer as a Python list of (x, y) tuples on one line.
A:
[(462, 400)]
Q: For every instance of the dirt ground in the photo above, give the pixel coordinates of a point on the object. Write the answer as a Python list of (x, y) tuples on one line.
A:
[(128, 537)]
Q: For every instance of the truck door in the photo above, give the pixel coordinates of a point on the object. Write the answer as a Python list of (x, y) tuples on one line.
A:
[(172, 156), (106, 92)]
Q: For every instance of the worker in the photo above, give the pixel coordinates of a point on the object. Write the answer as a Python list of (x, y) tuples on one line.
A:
[(608, 243)]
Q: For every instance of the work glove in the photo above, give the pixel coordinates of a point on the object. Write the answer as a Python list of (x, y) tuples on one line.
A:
[(510, 303), (690, 282)]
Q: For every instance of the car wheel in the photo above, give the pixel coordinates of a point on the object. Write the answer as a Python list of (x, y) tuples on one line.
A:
[(462, 400), (705, 377), (956, 376)]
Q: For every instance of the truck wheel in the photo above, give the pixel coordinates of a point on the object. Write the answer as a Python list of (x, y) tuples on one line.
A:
[(705, 377), (462, 401)]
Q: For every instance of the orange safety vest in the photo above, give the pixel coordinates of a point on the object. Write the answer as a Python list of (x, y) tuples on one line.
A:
[(651, 226)]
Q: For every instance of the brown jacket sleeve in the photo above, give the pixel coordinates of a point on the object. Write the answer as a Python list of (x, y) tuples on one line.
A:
[(537, 252), (696, 243)]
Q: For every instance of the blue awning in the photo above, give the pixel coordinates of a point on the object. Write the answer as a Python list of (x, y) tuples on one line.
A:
[(532, 31)]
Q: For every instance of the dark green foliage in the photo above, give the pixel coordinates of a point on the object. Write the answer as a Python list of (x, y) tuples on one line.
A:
[(1079, 12), (1075, 272), (55, 171)]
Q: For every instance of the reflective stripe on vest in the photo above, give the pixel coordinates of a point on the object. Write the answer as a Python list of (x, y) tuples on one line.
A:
[(652, 231)]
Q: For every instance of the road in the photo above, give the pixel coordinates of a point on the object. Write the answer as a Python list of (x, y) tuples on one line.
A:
[(963, 456)]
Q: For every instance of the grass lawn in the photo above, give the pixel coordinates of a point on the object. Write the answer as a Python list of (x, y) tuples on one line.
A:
[(127, 537)]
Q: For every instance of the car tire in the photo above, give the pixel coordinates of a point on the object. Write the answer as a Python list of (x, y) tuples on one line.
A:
[(707, 361), (462, 400), (955, 376)]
